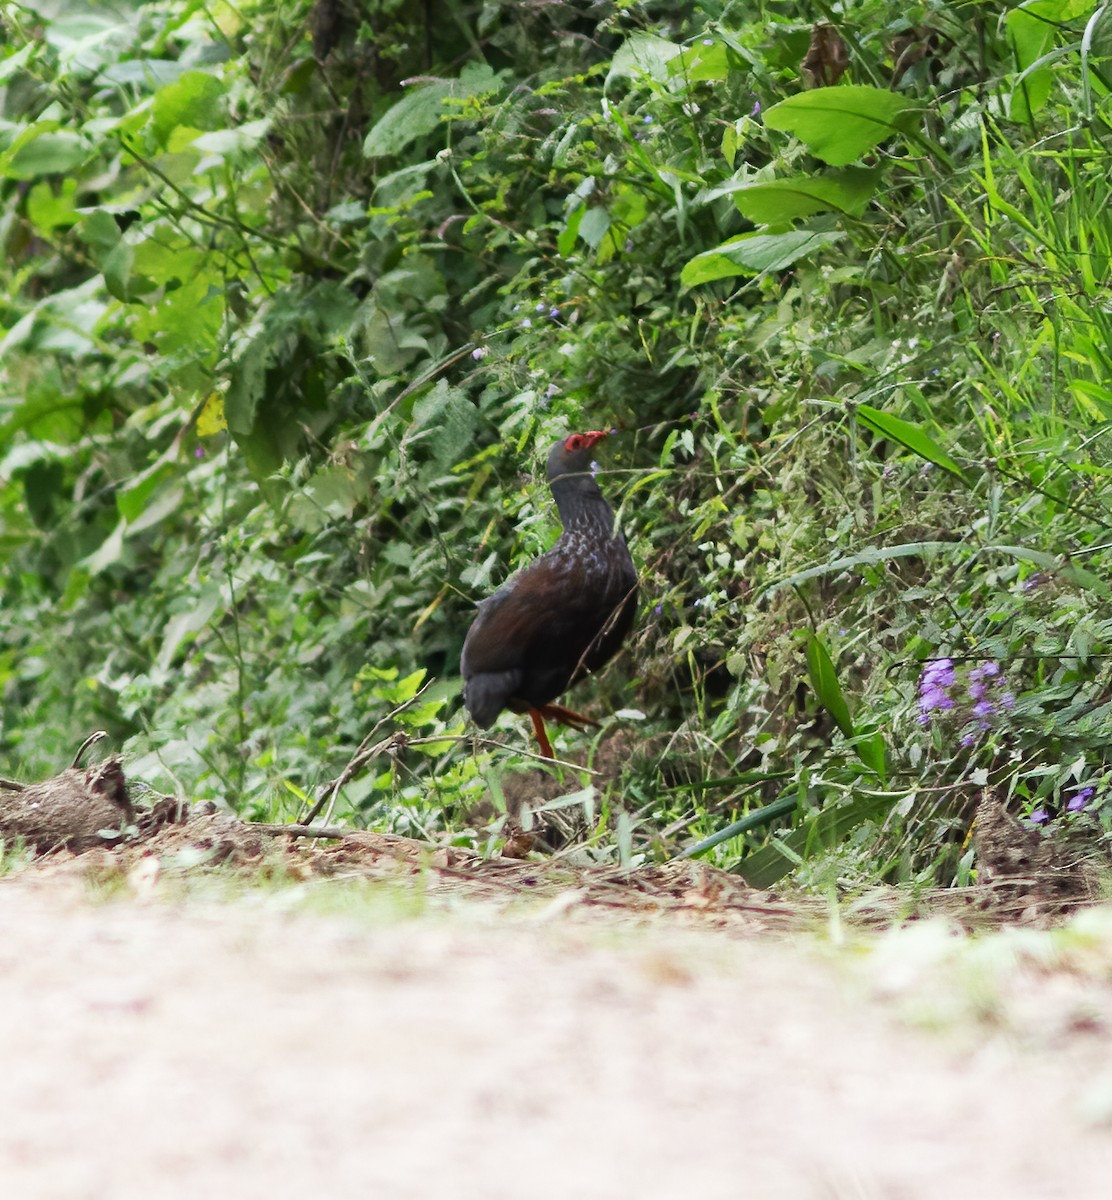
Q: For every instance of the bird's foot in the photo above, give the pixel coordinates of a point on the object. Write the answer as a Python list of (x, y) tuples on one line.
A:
[(566, 716)]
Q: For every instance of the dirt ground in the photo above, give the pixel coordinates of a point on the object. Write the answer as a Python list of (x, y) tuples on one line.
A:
[(331, 1038)]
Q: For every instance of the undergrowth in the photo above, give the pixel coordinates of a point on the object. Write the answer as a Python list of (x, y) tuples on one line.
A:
[(292, 308)]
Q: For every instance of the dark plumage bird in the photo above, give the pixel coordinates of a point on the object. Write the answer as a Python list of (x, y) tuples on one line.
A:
[(560, 618)]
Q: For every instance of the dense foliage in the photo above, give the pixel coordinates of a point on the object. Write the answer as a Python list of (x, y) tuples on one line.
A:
[(294, 297)]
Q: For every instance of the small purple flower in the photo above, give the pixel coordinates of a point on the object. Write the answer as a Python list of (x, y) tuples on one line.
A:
[(658, 609), (935, 699), (1039, 817), (755, 111), (199, 452), (553, 314), (976, 689), (527, 323), (969, 738), (984, 709), (1007, 700), (479, 353), (708, 41), (937, 676), (540, 306), (1080, 797), (990, 670), (647, 119)]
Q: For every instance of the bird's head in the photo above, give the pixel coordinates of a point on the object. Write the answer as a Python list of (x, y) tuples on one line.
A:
[(572, 454)]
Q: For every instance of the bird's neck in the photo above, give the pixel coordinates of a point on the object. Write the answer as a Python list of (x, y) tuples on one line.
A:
[(583, 508)]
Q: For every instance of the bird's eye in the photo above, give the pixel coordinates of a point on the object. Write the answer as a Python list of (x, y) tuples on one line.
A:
[(575, 442)]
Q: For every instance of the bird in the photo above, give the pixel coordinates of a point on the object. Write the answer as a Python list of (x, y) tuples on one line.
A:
[(560, 618)]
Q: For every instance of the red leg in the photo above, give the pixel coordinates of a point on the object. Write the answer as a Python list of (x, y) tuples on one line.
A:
[(566, 716), (536, 715)]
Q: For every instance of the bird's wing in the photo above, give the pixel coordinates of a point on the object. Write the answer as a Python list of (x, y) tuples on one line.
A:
[(537, 605)]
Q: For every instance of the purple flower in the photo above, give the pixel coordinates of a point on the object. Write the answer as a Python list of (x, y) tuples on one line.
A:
[(939, 671), (480, 352), (554, 314), (935, 698), (1080, 797), (755, 111), (1039, 817), (983, 709), (969, 738), (527, 323)]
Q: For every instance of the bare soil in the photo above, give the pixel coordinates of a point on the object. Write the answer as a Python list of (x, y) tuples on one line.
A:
[(433, 1034)]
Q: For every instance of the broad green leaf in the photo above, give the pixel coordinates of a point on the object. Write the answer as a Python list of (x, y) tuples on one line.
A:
[(840, 124), (444, 420), (1030, 30), (911, 436), (642, 54), (752, 253), (418, 113), (195, 101), (824, 681), (46, 153), (414, 116), (99, 231), (703, 64), (781, 200), (230, 143), (871, 748), (593, 226), (50, 205)]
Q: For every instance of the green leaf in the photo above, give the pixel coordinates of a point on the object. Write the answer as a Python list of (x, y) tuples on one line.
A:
[(825, 830), (565, 243), (703, 64), (751, 820), (781, 200), (194, 101), (824, 681), (414, 116), (642, 54), (188, 624), (43, 153), (593, 226), (233, 143), (50, 205), (908, 435), (418, 114), (839, 124), (752, 253), (444, 420)]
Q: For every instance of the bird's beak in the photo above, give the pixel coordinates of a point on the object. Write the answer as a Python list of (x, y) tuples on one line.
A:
[(594, 436)]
